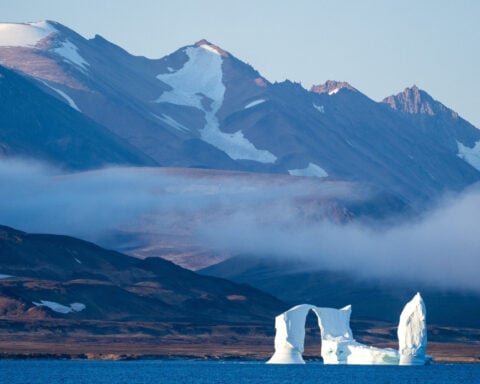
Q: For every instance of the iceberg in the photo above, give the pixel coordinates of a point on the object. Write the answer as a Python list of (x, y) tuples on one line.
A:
[(412, 332), (338, 344)]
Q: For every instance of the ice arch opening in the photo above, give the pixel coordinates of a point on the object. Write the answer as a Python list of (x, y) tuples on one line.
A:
[(338, 344)]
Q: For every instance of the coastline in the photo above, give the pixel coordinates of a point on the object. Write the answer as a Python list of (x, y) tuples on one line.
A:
[(442, 353)]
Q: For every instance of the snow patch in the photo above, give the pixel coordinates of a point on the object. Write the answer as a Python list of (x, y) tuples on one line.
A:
[(254, 103), (78, 261), (319, 108), (171, 122), (2, 276), (24, 34), (211, 49), (60, 308), (69, 52), (470, 155), (312, 170), (68, 99), (200, 75), (78, 307), (334, 91), (200, 78)]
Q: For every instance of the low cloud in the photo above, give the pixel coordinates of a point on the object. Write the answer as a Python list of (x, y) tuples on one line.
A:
[(240, 213), (441, 249)]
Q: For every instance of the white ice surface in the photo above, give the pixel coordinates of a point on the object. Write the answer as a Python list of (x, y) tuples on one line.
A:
[(254, 103), (312, 170), (353, 352), (290, 335), (2, 276), (412, 332), (470, 155), (69, 52), (68, 99), (60, 308), (24, 34), (319, 108), (334, 323), (338, 344), (200, 79)]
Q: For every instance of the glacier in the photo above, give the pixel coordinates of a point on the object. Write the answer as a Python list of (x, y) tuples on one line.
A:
[(338, 344)]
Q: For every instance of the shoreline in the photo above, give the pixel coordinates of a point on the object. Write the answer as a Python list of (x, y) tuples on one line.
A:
[(50, 357), (442, 358)]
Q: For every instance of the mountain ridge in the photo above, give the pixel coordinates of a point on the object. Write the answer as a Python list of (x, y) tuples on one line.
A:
[(202, 107)]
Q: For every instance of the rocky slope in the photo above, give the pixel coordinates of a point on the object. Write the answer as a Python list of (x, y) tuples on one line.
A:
[(202, 107), (36, 125), (59, 277)]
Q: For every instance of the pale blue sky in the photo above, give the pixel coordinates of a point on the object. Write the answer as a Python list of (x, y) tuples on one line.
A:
[(380, 47)]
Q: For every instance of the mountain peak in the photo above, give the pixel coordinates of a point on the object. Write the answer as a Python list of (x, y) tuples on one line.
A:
[(414, 101), (205, 44), (331, 87)]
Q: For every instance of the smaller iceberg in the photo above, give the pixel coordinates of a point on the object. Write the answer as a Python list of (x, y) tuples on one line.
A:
[(412, 333), (338, 344)]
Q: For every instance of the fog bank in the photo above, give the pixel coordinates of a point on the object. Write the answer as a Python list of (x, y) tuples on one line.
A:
[(244, 214)]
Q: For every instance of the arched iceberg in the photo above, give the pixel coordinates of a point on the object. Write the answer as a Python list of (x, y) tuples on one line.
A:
[(338, 344)]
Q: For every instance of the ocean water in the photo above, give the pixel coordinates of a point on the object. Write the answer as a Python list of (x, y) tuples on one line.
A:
[(185, 371)]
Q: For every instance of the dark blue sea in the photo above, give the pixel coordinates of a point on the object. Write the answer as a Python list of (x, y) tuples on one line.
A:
[(185, 371)]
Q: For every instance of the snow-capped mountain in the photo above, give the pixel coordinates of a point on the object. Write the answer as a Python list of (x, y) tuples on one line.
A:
[(202, 107)]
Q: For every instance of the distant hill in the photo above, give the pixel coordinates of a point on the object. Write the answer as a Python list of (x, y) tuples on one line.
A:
[(371, 299), (109, 286)]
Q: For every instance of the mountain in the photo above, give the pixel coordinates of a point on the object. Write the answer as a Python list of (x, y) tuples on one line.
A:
[(107, 285), (202, 107), (110, 86), (208, 210), (378, 299), (36, 125), (64, 297)]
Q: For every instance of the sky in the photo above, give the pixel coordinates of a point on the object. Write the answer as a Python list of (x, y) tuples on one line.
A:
[(380, 47)]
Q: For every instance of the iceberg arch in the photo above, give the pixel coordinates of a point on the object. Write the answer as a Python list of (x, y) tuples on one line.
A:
[(338, 344)]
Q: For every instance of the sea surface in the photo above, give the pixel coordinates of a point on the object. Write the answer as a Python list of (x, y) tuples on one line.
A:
[(187, 371)]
